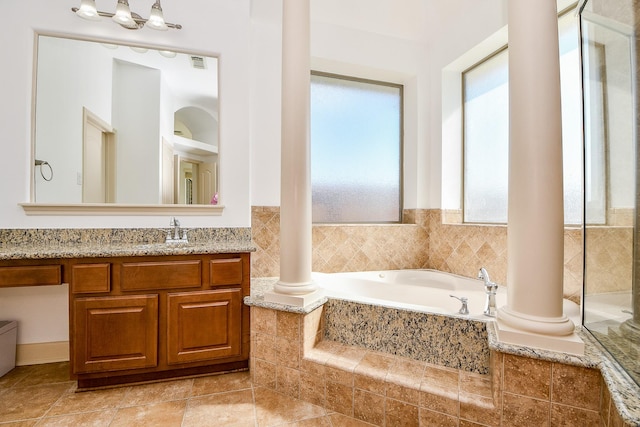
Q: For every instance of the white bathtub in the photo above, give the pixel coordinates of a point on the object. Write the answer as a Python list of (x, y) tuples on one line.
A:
[(420, 290)]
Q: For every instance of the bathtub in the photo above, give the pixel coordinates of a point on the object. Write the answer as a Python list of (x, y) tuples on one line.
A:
[(410, 313), (418, 290)]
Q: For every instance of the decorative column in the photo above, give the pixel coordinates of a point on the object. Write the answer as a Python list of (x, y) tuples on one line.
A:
[(295, 286), (534, 311)]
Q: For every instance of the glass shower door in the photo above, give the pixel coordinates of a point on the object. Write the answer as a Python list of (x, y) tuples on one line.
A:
[(611, 280)]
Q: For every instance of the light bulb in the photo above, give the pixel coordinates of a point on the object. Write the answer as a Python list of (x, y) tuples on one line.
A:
[(156, 18), (123, 15), (88, 10)]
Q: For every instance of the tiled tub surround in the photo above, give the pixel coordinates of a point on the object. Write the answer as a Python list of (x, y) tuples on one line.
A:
[(423, 241), (106, 242), (291, 353)]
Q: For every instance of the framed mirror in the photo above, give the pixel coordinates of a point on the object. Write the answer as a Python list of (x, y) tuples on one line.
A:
[(123, 125)]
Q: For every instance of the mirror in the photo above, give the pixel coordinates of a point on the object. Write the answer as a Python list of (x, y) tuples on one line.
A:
[(124, 125)]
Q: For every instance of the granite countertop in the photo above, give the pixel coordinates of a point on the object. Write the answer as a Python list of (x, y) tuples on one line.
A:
[(90, 250), (87, 243)]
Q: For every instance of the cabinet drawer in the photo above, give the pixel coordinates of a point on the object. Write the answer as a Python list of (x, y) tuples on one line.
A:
[(31, 275), (226, 271), (90, 278), (137, 276)]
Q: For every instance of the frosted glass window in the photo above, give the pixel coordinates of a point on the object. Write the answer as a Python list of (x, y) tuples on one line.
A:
[(486, 132), (355, 150), (486, 140)]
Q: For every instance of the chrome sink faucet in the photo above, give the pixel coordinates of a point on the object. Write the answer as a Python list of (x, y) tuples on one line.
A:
[(490, 289), (175, 236)]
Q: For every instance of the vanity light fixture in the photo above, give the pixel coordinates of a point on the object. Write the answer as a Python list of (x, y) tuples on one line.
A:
[(124, 16)]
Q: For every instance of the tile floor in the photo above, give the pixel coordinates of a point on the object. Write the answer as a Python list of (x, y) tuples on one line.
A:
[(42, 395)]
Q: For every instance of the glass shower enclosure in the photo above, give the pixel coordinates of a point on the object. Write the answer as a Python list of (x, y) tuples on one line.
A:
[(611, 300)]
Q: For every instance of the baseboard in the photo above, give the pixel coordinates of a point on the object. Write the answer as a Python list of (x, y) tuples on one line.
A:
[(43, 352)]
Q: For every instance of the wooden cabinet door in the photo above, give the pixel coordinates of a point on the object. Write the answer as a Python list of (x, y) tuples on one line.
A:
[(204, 325), (115, 333)]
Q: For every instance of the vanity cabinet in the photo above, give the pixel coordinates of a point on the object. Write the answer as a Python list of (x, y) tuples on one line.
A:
[(146, 318)]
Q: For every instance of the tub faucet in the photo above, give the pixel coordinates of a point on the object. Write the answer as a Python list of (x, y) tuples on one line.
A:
[(490, 289), (464, 300)]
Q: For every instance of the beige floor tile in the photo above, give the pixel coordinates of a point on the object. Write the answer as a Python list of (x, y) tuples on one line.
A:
[(87, 419), (14, 376), (273, 408), (30, 402), (99, 400), (47, 374), (233, 408), (163, 414), (221, 383), (158, 392)]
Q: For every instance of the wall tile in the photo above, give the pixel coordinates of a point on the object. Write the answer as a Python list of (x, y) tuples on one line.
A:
[(368, 407), (445, 401), (520, 411), (471, 383), (605, 403), (312, 388), (263, 373), (401, 414), (263, 346), (263, 320), (288, 381), (404, 379), (479, 409), (567, 416), (312, 328), (288, 352), (437, 419), (576, 386), (371, 372), (339, 398), (288, 325), (528, 377)]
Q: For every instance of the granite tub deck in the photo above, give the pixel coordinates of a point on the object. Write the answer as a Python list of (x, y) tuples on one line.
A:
[(293, 352)]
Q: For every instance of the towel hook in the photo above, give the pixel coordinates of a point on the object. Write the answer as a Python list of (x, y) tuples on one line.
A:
[(45, 163)]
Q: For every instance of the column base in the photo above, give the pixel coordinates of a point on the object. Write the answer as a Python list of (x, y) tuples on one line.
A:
[(571, 343), (299, 300), (552, 326)]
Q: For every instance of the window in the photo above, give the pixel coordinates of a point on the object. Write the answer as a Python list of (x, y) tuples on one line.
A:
[(486, 140), (486, 132), (356, 146)]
